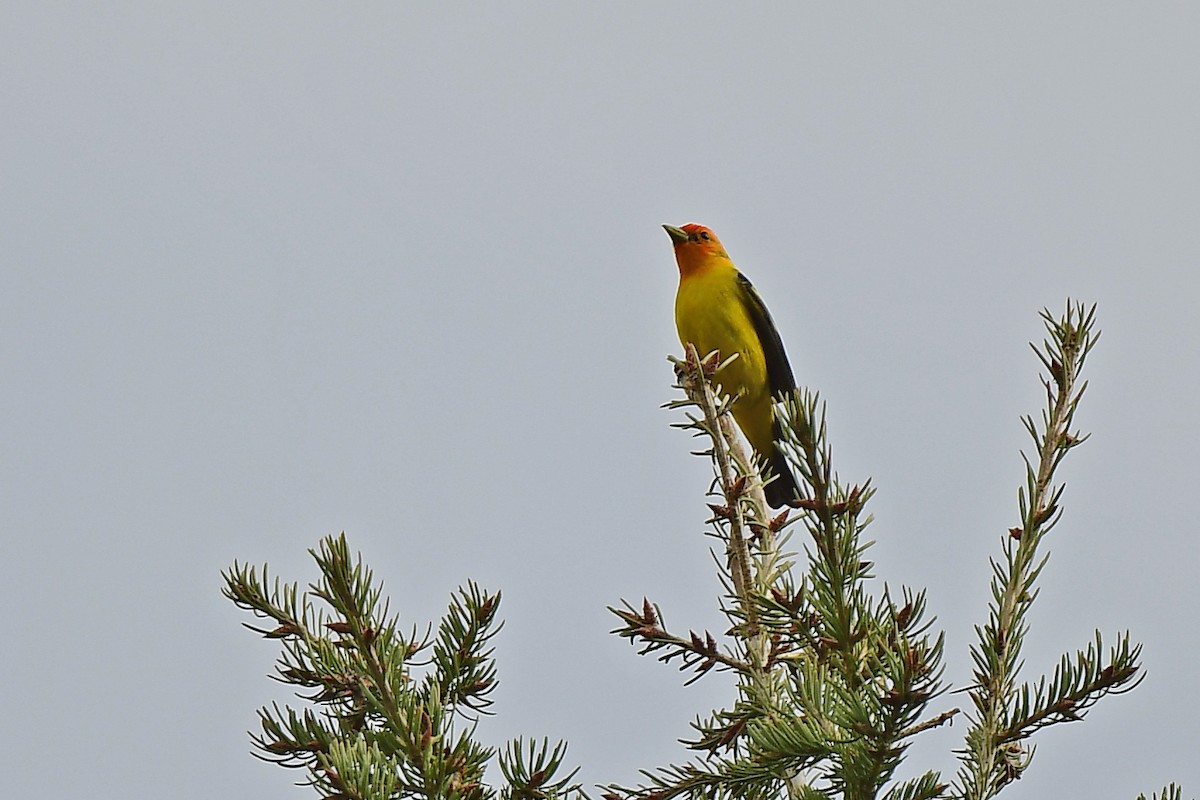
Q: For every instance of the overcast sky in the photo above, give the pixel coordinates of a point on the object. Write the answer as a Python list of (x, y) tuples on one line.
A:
[(274, 271)]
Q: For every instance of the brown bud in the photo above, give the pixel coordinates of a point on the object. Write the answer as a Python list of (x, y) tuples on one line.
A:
[(426, 729), (732, 732), (724, 512), (1045, 514), (1056, 370), (284, 630)]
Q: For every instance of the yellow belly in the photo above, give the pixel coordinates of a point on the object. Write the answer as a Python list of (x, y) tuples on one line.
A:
[(711, 313)]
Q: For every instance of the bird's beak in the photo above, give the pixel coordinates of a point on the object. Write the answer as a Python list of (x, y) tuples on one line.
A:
[(677, 234)]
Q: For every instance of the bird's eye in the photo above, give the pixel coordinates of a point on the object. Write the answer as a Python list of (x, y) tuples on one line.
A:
[(704, 235)]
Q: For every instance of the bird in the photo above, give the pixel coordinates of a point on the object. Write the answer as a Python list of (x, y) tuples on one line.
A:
[(717, 308)]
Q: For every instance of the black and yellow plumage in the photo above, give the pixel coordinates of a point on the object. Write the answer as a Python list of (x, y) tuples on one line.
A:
[(717, 308)]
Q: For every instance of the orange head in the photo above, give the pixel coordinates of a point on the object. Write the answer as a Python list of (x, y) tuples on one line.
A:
[(695, 247)]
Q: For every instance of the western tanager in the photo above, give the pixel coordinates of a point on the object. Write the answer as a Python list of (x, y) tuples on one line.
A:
[(717, 308)]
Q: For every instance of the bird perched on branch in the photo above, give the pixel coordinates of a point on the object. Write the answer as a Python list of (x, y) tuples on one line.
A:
[(717, 308)]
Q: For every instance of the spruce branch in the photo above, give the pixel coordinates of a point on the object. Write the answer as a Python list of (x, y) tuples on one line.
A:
[(832, 681), (1004, 714), (1169, 792), (698, 653), (926, 787), (531, 770), (392, 715), (744, 503), (1076, 686)]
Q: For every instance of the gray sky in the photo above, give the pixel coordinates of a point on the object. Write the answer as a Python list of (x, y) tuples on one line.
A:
[(274, 271)]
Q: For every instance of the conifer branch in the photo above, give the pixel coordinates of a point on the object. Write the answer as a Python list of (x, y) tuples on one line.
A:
[(1003, 715), (700, 654), (744, 503), (833, 680), (1169, 792), (393, 715)]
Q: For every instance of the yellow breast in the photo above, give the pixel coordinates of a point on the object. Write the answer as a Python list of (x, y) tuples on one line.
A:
[(712, 313)]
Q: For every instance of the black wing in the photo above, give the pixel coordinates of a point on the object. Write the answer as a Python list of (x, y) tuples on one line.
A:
[(784, 489), (779, 372)]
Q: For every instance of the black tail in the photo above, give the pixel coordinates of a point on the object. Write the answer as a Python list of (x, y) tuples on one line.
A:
[(782, 490)]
